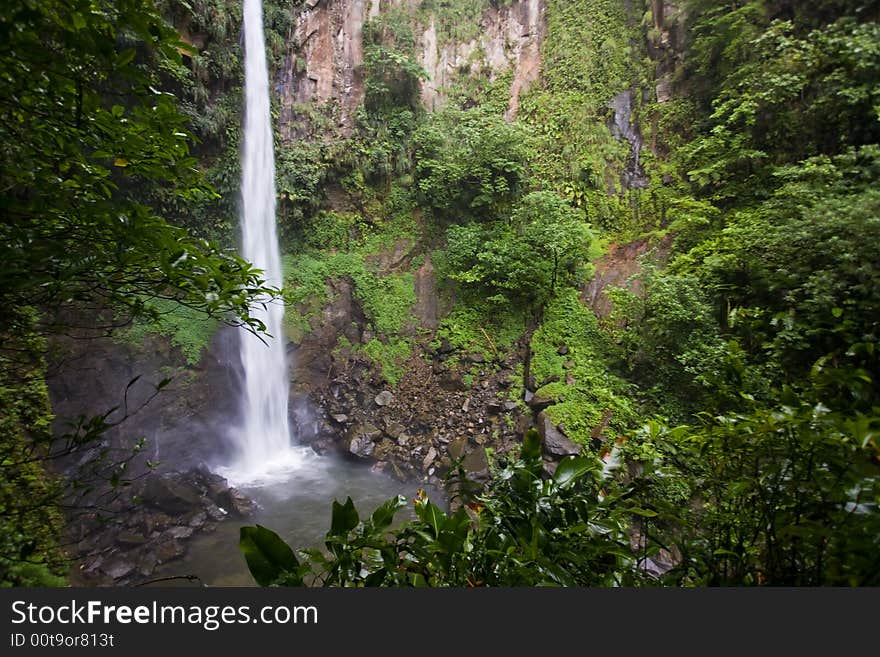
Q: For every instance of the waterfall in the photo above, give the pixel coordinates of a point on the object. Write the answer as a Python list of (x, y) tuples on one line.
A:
[(263, 437)]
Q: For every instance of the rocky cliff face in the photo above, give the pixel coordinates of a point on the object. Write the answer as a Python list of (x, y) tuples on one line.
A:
[(324, 66), (510, 40), (665, 44)]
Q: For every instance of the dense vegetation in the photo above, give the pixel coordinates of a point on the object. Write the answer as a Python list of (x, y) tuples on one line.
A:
[(728, 412), (753, 351), (88, 134)]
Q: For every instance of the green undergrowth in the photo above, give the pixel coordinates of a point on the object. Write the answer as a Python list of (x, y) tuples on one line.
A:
[(30, 523), (456, 21), (187, 329), (588, 58), (386, 299), (579, 378), (481, 328), (391, 356)]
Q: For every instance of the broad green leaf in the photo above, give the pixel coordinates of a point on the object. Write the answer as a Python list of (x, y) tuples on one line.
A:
[(417, 580), (384, 515), (571, 469), (344, 519), (531, 445), (268, 557), (430, 514)]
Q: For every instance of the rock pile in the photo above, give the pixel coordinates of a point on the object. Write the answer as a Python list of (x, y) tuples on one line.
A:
[(150, 523)]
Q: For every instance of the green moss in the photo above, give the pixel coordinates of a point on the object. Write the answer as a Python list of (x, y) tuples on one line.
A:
[(580, 379), (587, 60), (30, 521), (187, 329), (391, 357), (387, 301), (481, 328)]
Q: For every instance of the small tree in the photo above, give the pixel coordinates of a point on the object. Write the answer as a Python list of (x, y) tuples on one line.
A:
[(523, 260), (470, 165)]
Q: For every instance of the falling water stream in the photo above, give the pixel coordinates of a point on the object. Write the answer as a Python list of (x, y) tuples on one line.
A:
[(262, 440)]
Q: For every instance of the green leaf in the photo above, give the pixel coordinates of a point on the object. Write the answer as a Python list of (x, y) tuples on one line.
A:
[(344, 519), (431, 514), (384, 515), (417, 580), (571, 469), (531, 445), (268, 557), (125, 57)]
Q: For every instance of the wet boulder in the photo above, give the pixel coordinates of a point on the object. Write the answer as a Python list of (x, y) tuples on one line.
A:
[(555, 444), (171, 496)]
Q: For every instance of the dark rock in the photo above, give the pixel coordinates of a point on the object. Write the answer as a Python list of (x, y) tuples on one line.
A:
[(477, 358), (196, 520), (555, 444), (214, 512), (180, 532), (170, 496), (539, 402), (130, 539), (445, 347), (397, 471), (429, 458), (323, 446), (236, 504), (357, 437), (212, 483), (457, 447), (146, 564), (92, 564), (118, 568), (562, 351), (476, 465), (523, 423), (168, 550)]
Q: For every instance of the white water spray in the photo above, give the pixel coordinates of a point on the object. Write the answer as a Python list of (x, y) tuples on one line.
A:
[(263, 438)]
